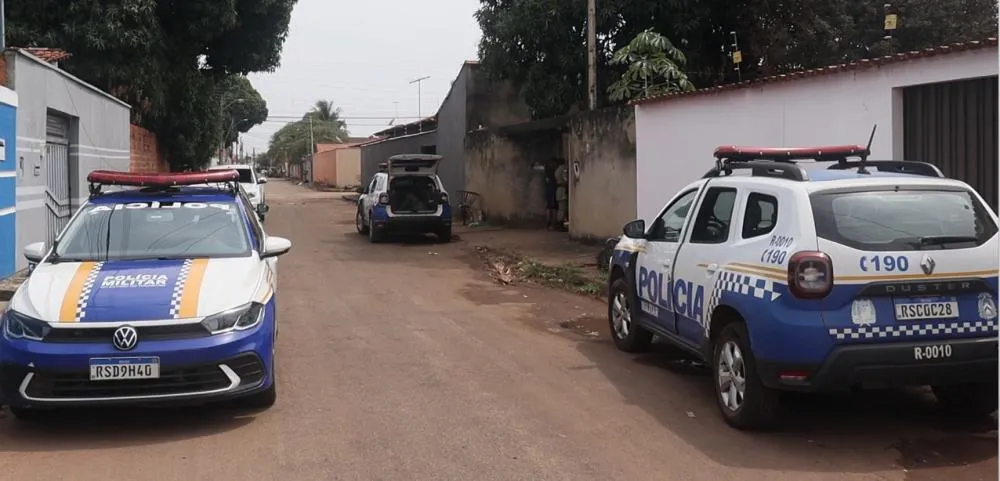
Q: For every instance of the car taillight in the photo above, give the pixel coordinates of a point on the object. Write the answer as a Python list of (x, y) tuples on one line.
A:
[(810, 275), (383, 199), (444, 198)]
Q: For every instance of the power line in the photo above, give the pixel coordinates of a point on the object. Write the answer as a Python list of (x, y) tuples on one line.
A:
[(301, 117)]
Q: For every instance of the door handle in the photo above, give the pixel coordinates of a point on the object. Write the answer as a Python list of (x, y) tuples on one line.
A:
[(711, 269), (667, 262)]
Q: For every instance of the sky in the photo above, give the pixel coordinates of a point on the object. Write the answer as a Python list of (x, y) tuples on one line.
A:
[(361, 55)]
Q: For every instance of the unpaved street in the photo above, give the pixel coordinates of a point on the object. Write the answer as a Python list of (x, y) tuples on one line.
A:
[(402, 361)]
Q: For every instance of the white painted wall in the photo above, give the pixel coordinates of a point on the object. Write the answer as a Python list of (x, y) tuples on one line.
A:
[(675, 138)]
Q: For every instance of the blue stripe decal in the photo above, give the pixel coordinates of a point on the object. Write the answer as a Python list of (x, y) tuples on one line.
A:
[(140, 290)]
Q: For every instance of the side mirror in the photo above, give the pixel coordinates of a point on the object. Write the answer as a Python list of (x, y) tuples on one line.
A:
[(635, 229), (34, 252), (263, 208), (275, 246), (261, 180), (360, 189)]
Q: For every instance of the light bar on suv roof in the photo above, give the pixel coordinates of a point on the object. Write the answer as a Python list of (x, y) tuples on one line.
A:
[(162, 180), (737, 153)]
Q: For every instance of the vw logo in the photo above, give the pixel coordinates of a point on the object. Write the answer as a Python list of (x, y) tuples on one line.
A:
[(125, 338), (927, 264)]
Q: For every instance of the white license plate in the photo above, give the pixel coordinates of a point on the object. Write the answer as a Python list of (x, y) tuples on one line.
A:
[(934, 308), (929, 353), (121, 368)]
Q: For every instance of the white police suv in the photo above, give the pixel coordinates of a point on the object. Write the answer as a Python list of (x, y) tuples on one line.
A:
[(816, 276)]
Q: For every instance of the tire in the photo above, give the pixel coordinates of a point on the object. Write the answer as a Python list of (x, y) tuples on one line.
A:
[(756, 405), (444, 234), (374, 236), (628, 336), (970, 400), (359, 223)]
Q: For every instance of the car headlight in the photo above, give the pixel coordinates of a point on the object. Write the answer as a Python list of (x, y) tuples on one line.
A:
[(20, 326), (247, 316)]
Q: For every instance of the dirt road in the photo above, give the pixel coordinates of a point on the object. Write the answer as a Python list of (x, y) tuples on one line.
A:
[(402, 361)]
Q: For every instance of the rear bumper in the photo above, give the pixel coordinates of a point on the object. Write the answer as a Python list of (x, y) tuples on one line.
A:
[(412, 223), (889, 365)]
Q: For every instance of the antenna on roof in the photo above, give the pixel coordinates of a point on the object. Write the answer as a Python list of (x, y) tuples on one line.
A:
[(867, 152)]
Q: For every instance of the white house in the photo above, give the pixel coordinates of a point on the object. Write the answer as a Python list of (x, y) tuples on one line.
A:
[(937, 105)]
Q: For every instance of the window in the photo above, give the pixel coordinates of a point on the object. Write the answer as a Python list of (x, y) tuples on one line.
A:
[(372, 184), (760, 216), (144, 230), (251, 214), (246, 176), (667, 227), (903, 220), (712, 224)]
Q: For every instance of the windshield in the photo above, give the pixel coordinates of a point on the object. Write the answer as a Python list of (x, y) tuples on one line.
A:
[(141, 230), (903, 220)]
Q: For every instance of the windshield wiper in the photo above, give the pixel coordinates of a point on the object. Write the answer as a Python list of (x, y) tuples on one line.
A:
[(945, 239)]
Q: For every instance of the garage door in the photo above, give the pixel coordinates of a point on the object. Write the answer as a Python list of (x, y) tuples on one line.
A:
[(954, 125)]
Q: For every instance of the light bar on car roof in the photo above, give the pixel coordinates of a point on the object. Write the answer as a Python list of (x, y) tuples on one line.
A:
[(737, 153), (163, 179)]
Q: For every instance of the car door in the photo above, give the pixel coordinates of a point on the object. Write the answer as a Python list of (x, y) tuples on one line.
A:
[(365, 199), (653, 265), (701, 258)]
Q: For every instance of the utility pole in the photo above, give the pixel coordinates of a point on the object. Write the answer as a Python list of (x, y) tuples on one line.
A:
[(312, 148), (592, 53), (222, 123), (418, 82)]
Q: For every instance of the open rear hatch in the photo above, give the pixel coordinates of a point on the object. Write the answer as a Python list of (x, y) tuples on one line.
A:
[(412, 186), (909, 262)]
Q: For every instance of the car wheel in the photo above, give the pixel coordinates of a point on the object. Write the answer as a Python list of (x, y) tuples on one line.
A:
[(444, 234), (976, 400), (743, 399), (374, 235), (359, 223), (628, 335)]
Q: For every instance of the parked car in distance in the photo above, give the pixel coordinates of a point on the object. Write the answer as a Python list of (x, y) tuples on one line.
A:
[(406, 196), (803, 278), (252, 183), (163, 294)]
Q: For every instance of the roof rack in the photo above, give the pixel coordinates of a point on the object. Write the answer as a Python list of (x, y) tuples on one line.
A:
[(898, 166), (161, 181)]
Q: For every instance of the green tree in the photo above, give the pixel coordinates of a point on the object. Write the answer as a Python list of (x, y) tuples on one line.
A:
[(320, 125), (541, 44), (655, 67), (165, 58), (243, 107)]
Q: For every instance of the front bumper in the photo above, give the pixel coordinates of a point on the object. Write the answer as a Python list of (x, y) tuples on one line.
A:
[(192, 371), (889, 365)]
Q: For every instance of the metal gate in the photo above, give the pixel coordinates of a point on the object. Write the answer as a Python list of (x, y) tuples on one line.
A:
[(954, 125), (58, 204)]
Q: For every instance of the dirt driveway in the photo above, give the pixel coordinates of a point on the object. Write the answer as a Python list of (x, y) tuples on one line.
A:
[(403, 361)]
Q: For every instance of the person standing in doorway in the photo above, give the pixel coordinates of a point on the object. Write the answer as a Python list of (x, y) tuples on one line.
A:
[(551, 203)]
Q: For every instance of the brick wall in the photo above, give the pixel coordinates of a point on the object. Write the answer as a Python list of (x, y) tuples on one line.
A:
[(146, 155)]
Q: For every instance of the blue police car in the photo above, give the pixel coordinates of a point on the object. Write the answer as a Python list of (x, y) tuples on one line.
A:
[(816, 276), (160, 293)]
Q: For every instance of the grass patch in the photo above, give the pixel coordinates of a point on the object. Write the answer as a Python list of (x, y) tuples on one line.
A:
[(507, 268), (568, 277)]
